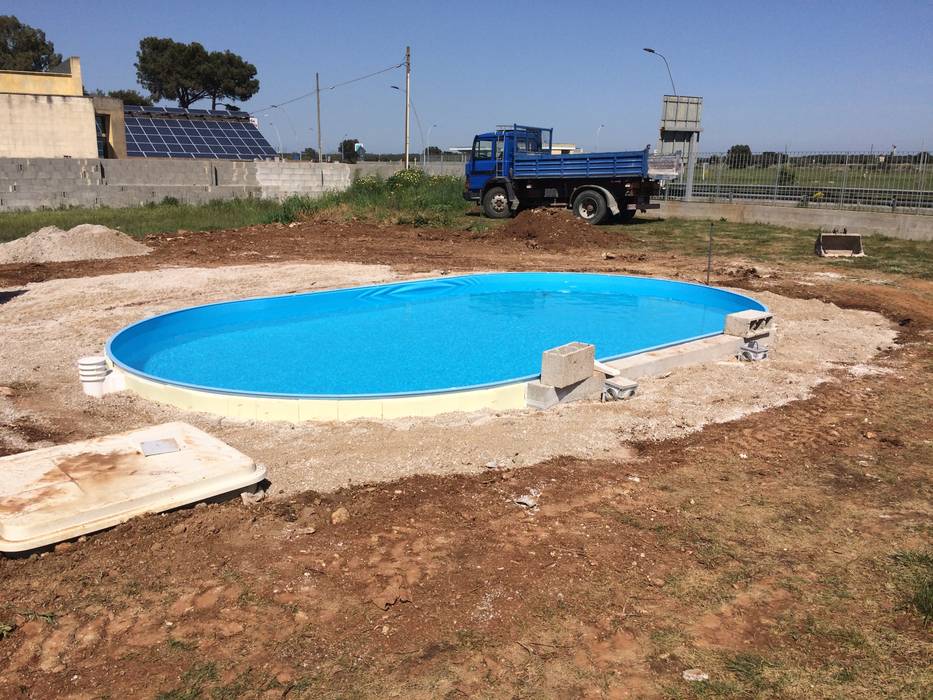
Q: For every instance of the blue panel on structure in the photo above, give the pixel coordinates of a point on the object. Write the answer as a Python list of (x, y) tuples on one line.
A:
[(172, 132)]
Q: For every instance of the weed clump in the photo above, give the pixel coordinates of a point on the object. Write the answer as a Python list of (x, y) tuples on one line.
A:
[(915, 575)]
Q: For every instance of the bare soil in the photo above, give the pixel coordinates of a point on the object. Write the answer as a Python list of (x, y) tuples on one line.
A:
[(757, 549), (54, 323)]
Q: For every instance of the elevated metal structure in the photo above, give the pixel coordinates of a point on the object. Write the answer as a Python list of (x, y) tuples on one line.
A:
[(680, 131)]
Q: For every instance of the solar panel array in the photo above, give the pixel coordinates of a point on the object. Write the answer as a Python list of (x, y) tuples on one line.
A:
[(171, 132)]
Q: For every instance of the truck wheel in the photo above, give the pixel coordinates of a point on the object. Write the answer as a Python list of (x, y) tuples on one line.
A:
[(590, 206), (496, 203)]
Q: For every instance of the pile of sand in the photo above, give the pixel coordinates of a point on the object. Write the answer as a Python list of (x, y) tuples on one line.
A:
[(83, 242)]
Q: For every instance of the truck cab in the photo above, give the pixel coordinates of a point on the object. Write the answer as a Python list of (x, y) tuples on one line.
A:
[(513, 167), (494, 149)]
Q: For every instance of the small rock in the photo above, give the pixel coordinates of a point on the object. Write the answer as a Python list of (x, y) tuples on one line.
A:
[(200, 505), (251, 499), (156, 546), (695, 675), (179, 529), (634, 478), (6, 391), (492, 464), (341, 515), (871, 435), (63, 547), (529, 500), (609, 256), (658, 582)]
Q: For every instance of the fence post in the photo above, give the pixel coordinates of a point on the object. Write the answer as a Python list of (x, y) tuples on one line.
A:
[(722, 159), (845, 181), (691, 166), (777, 179), (922, 164)]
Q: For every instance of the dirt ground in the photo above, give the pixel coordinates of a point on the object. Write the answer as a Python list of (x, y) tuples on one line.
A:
[(758, 548)]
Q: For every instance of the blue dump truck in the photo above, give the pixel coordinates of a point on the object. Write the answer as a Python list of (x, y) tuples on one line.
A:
[(513, 168)]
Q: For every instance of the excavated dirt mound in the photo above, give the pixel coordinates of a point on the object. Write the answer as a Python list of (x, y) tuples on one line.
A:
[(83, 242), (558, 229)]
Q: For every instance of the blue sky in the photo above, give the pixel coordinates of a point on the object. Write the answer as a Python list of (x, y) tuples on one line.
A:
[(802, 75)]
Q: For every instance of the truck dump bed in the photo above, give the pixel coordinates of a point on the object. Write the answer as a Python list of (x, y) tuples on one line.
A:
[(581, 165)]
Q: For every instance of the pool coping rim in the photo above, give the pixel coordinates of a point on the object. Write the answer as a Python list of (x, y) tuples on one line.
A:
[(408, 394)]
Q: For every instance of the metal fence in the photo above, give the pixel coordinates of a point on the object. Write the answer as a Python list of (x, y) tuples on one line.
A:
[(865, 180)]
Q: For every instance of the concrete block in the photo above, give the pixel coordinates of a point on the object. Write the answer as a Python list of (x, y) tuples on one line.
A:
[(655, 362), (621, 387), (749, 324), (567, 364), (541, 395)]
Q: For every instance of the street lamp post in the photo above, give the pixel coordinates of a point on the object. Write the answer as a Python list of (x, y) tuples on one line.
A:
[(427, 144), (597, 135), (417, 118), (668, 68), (276, 132)]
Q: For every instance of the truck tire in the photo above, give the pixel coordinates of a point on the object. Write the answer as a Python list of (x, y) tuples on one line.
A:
[(496, 203), (590, 206)]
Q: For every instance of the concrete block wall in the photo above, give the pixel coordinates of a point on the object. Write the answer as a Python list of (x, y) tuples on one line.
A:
[(281, 179), (916, 227), (34, 183)]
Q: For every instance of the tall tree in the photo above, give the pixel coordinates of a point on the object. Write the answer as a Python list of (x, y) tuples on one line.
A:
[(187, 73), (170, 70), (227, 76), (131, 97), (739, 156), (347, 150), (25, 48)]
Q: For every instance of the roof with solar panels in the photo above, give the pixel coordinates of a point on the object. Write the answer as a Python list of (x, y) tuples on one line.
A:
[(173, 132)]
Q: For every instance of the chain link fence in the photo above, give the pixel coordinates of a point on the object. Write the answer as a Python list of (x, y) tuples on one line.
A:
[(862, 180)]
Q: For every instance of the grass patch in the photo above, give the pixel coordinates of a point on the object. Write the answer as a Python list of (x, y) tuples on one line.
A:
[(139, 221), (193, 683), (6, 629), (181, 645), (409, 197), (748, 669), (774, 245), (914, 574)]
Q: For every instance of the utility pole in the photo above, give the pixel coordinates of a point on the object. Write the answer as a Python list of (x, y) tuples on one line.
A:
[(317, 93), (407, 99)]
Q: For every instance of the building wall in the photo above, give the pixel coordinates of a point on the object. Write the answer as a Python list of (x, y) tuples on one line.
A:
[(65, 80), (112, 109), (45, 115), (47, 126)]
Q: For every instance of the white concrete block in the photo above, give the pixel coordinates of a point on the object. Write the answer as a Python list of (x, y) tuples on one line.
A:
[(567, 364), (749, 324)]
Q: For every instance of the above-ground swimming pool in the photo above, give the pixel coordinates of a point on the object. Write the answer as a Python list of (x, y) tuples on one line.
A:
[(414, 340)]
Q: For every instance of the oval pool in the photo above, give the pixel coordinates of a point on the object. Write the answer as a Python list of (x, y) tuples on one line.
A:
[(418, 337)]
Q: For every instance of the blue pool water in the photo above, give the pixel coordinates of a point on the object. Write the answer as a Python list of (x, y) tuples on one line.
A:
[(416, 337)]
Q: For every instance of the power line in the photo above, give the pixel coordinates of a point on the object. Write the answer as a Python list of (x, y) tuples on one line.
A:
[(331, 87)]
